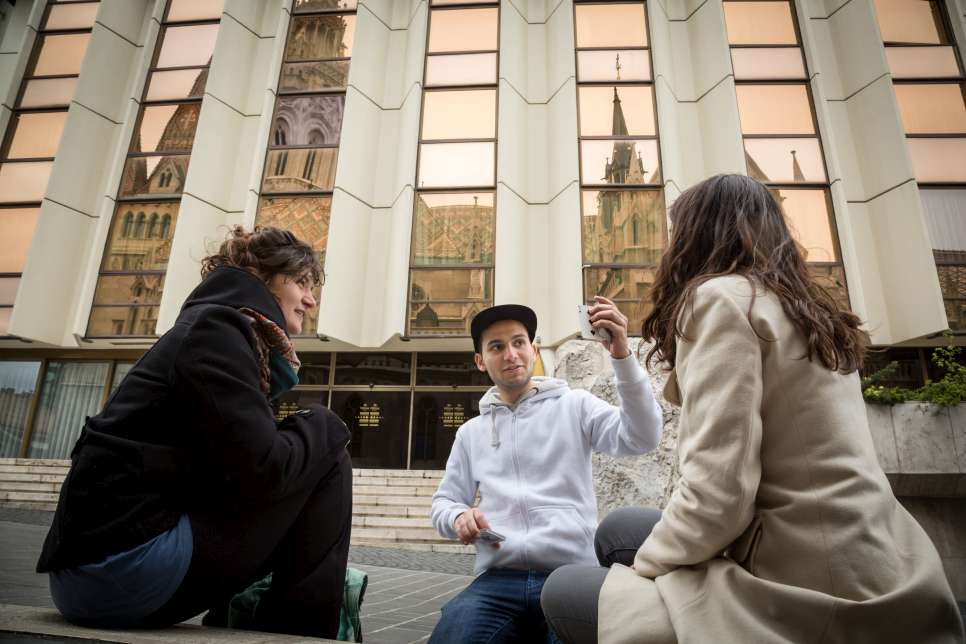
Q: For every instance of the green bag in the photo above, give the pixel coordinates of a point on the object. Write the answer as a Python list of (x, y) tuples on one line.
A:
[(241, 608)]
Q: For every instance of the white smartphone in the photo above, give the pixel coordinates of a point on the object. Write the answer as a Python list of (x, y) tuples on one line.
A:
[(588, 332), (491, 537)]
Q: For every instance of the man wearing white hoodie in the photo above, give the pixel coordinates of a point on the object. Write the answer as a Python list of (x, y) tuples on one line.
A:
[(528, 455)]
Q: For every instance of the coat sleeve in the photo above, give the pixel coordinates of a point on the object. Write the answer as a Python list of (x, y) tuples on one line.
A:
[(456, 491), (719, 368), (216, 376), (634, 427)]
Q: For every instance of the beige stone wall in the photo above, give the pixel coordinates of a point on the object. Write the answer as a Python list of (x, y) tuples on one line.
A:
[(644, 480)]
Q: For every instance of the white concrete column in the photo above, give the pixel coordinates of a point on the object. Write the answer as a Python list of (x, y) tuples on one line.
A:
[(538, 260), (367, 259), (697, 105), (885, 244)]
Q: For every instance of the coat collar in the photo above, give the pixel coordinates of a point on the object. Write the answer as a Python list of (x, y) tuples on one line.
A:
[(237, 288)]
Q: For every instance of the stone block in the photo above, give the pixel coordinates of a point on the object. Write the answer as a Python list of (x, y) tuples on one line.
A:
[(957, 421), (645, 480), (883, 436), (924, 439)]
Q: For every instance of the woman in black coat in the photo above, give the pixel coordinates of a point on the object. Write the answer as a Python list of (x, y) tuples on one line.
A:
[(184, 489)]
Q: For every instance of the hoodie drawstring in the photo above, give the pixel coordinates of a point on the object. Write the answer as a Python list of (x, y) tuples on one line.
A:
[(494, 432)]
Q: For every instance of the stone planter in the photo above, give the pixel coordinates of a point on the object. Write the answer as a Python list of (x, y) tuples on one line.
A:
[(921, 447)]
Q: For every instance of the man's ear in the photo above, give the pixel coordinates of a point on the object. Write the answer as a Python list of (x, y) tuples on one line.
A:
[(478, 359)]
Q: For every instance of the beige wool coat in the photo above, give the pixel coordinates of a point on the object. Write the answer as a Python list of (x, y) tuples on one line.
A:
[(783, 527)]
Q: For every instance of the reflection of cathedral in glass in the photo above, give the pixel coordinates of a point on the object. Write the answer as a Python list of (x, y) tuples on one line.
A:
[(627, 226), (306, 217), (317, 37), (308, 120), (142, 237), (165, 175), (451, 234)]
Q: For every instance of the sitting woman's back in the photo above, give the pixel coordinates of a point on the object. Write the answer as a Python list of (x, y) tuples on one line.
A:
[(782, 526)]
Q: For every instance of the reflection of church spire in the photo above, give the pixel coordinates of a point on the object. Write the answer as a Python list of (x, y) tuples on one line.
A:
[(623, 166), (797, 174), (619, 125)]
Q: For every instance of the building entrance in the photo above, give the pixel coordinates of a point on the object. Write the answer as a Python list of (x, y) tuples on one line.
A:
[(403, 409)]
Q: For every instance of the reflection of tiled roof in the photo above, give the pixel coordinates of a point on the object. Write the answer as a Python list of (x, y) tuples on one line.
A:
[(304, 216), (455, 231)]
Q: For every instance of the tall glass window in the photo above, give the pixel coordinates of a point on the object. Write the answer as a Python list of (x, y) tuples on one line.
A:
[(781, 139), (623, 218), (71, 392), (44, 401), (927, 72), (34, 132), (454, 220), (135, 258), (18, 383), (303, 146)]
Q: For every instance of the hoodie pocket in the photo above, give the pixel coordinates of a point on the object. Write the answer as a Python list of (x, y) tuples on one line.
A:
[(559, 535)]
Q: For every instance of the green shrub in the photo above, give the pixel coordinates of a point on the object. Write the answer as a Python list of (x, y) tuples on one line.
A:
[(950, 390)]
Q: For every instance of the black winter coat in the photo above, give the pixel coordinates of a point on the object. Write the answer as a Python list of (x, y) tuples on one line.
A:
[(188, 428)]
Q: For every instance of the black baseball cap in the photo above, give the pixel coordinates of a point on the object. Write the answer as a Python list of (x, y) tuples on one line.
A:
[(522, 314)]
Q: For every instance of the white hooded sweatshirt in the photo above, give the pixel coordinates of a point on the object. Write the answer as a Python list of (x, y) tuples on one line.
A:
[(531, 463)]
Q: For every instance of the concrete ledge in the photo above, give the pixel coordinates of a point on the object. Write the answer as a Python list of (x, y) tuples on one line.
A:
[(921, 447), (44, 621)]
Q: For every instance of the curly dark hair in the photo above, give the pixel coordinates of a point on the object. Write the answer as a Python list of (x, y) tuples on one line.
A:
[(266, 252), (732, 224)]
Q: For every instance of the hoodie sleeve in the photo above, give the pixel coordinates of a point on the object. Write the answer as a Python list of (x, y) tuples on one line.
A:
[(634, 427), (456, 491)]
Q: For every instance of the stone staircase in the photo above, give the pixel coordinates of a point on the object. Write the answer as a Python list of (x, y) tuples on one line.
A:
[(390, 508)]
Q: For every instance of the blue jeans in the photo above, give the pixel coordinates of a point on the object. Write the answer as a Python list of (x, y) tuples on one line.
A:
[(501, 605)]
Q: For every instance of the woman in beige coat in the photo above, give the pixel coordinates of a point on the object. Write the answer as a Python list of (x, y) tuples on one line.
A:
[(782, 527)]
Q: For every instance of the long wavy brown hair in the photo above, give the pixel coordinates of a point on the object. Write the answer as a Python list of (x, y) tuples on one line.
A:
[(731, 224)]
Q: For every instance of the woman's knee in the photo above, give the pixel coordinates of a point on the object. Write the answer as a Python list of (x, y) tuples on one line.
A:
[(569, 601), (622, 532)]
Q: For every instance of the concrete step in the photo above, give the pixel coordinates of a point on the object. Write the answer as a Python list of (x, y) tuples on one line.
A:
[(56, 470), (393, 490), (409, 535), (391, 522), (46, 462), (21, 476), (413, 501), (397, 481), (448, 547), (424, 474), (30, 486), (420, 511), (29, 505), (24, 497)]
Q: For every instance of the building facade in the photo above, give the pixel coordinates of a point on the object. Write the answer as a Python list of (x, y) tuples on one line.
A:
[(443, 156)]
